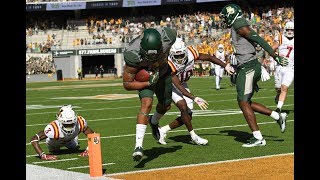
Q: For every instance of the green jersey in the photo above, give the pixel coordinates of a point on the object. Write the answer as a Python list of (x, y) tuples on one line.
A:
[(243, 49), (133, 58)]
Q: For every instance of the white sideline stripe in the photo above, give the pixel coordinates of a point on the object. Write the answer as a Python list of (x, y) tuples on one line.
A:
[(198, 129), (129, 107), (59, 160), (204, 113), (193, 165), (34, 172), (80, 167)]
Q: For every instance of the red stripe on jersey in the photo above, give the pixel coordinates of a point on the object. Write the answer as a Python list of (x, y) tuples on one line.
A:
[(80, 120), (174, 70), (193, 51), (55, 130)]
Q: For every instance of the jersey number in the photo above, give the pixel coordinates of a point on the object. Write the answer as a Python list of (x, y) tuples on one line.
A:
[(185, 76), (48, 130), (290, 49)]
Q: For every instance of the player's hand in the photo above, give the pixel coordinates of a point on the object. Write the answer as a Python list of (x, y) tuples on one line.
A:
[(153, 78), (229, 69), (84, 153), (264, 74), (48, 157), (283, 61), (203, 104)]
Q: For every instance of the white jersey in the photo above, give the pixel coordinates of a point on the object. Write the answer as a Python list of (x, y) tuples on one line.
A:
[(221, 56), (286, 48), (184, 71), (55, 135)]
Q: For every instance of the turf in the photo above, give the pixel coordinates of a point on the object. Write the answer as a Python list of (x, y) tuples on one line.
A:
[(222, 124)]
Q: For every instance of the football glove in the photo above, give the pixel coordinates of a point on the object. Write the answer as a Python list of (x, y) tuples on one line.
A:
[(283, 61), (229, 69), (153, 78), (203, 104), (48, 157), (264, 74), (84, 153)]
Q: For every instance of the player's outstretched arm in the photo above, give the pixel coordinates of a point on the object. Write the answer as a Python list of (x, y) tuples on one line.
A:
[(86, 131), (129, 83), (35, 143), (250, 34), (203, 104), (215, 60)]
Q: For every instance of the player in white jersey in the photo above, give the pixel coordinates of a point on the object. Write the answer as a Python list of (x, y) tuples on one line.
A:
[(181, 60), (220, 54), (62, 132), (284, 75)]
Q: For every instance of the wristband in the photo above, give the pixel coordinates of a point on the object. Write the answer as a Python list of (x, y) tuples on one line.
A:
[(41, 154)]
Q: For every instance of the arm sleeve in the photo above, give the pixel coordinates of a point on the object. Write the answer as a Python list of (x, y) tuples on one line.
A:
[(253, 36)]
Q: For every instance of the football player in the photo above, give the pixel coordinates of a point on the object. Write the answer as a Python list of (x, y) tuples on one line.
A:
[(61, 132), (220, 54), (284, 74), (249, 71), (149, 51), (181, 60)]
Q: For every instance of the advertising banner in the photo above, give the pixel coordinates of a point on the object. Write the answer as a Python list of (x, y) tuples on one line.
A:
[(59, 53), (36, 7), (203, 1), (137, 3), (104, 4), (71, 5), (164, 2), (101, 51)]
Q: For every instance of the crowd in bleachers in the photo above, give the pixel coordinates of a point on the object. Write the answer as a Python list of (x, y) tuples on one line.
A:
[(202, 29), (39, 64)]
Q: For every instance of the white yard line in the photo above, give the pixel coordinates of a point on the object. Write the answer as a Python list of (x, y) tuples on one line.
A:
[(59, 160), (197, 129), (81, 167)]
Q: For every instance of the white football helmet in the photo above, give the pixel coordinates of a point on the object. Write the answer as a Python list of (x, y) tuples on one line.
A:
[(67, 118), (178, 52), (289, 29), (220, 48)]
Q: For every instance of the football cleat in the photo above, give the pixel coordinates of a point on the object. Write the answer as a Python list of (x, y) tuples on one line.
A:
[(255, 142), (282, 121), (162, 137), (138, 153), (155, 129), (198, 140)]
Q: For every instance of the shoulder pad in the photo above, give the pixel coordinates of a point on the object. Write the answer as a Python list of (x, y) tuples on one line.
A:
[(52, 130)]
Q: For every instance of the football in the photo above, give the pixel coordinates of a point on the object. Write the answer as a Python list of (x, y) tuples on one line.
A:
[(142, 76)]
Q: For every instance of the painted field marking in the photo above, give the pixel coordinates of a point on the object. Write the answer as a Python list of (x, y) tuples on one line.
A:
[(81, 167), (59, 160), (200, 164), (198, 129), (196, 113)]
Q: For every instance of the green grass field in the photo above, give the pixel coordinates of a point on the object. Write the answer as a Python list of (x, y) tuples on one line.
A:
[(222, 124)]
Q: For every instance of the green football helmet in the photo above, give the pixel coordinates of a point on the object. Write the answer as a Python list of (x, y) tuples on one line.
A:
[(230, 13), (150, 45)]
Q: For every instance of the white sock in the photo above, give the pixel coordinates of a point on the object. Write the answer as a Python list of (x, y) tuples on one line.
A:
[(280, 104), (192, 133), (257, 135), (156, 117), (140, 131), (217, 81), (166, 128), (275, 115)]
